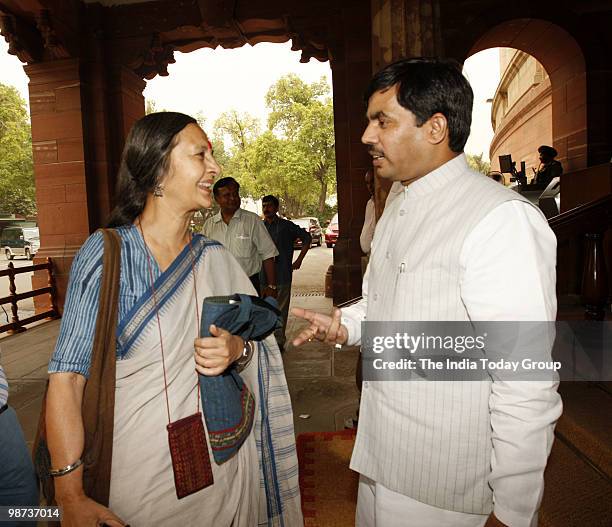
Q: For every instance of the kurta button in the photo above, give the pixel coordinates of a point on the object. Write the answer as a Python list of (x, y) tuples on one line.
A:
[(402, 212), (388, 255), (375, 296), (365, 384)]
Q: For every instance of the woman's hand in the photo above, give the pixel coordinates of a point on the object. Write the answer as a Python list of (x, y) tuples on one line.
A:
[(213, 355), (81, 511)]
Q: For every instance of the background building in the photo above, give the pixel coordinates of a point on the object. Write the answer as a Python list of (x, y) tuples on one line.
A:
[(88, 63), (521, 114)]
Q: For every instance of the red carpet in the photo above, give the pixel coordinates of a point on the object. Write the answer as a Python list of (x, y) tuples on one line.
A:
[(328, 486), (574, 494)]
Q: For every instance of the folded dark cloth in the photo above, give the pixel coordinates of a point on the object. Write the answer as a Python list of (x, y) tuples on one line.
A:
[(227, 402)]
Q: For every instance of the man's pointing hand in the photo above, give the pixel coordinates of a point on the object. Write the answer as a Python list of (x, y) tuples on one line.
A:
[(322, 327)]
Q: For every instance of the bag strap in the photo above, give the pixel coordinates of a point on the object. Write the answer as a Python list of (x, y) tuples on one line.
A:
[(98, 406), (99, 390), (108, 303)]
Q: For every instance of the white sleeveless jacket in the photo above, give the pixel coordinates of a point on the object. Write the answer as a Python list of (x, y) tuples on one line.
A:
[(427, 440)]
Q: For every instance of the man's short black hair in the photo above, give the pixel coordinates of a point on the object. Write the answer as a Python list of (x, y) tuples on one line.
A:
[(426, 86), (270, 199), (224, 182)]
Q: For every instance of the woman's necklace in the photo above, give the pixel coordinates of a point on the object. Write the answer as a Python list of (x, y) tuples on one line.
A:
[(187, 440)]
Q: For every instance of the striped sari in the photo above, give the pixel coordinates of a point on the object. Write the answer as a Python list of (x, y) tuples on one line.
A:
[(259, 485)]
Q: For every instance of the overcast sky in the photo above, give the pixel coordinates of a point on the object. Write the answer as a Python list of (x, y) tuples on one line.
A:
[(482, 70), (215, 81)]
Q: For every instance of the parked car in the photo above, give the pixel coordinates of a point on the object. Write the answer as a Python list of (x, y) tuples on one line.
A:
[(311, 225), (332, 231), (20, 241)]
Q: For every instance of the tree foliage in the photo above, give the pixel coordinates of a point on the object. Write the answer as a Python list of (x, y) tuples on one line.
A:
[(17, 194), (150, 106), (477, 163), (240, 128), (233, 138), (289, 99), (294, 158)]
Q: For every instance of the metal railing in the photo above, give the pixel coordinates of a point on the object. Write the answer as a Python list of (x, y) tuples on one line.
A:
[(583, 255), (17, 325)]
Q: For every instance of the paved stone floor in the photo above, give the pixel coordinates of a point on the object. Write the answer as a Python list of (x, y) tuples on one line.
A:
[(321, 380), (24, 358)]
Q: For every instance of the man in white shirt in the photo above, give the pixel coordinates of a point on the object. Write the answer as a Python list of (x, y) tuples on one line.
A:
[(243, 234), (443, 453), (369, 221)]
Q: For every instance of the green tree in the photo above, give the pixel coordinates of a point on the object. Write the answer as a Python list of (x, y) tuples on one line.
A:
[(294, 158), (316, 144), (288, 98), (221, 154), (278, 168), (477, 163), (303, 114), (234, 136), (17, 193), (241, 129), (150, 106)]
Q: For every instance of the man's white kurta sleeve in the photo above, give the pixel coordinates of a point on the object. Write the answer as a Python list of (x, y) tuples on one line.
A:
[(354, 315), (508, 273)]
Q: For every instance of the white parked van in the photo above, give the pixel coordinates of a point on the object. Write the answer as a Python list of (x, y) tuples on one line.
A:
[(20, 241)]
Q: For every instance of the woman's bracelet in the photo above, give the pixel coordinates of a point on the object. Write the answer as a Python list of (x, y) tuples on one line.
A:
[(247, 354), (65, 470)]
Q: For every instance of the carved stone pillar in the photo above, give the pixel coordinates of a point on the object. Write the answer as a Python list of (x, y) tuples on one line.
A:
[(399, 28), (58, 144), (402, 28), (80, 117), (351, 65)]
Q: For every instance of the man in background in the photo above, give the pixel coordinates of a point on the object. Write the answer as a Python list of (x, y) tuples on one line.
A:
[(243, 234), (283, 234), (549, 167)]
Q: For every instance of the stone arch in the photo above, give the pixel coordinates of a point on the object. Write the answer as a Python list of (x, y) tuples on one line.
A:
[(564, 61), (86, 68), (521, 111)]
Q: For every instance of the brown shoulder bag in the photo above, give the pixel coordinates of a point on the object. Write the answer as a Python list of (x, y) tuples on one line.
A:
[(99, 395)]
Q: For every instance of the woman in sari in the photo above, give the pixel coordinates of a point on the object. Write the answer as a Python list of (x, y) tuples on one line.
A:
[(166, 175)]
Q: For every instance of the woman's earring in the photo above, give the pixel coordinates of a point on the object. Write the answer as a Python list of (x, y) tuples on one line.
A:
[(158, 191)]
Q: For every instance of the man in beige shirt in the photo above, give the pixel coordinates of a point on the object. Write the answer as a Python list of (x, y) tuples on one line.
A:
[(243, 234)]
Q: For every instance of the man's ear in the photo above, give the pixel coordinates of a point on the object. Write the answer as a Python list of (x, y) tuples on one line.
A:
[(437, 129)]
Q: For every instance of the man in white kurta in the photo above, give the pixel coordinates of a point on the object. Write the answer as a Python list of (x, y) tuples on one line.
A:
[(446, 453)]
